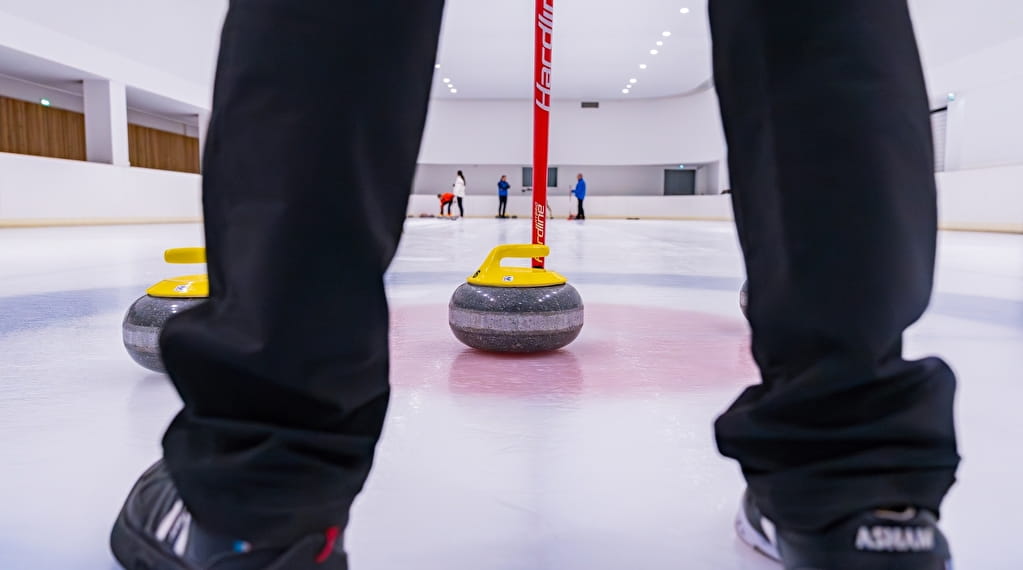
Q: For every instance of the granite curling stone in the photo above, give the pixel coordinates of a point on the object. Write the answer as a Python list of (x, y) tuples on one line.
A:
[(516, 309), (744, 298), (145, 319), (143, 324)]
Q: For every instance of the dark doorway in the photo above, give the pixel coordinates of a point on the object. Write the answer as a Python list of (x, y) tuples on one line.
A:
[(679, 182)]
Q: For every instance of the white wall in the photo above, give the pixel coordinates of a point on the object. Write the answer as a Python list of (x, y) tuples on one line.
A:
[(161, 123), (435, 179), (708, 179), (677, 130), (44, 191), (648, 207), (604, 180), (25, 91), (611, 180), (985, 126), (978, 200), (985, 122), (989, 199)]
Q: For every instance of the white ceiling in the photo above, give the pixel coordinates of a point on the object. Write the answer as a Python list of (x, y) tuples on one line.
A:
[(951, 29), (178, 37), (23, 66), (486, 45), (487, 48)]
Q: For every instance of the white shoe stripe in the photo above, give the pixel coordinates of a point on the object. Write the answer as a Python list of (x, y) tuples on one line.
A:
[(168, 520), (753, 538), (182, 540), (769, 531)]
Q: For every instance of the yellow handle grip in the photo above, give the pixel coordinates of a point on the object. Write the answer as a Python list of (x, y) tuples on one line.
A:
[(492, 274), (185, 255), (515, 250)]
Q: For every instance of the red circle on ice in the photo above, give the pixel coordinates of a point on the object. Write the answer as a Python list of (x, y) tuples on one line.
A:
[(621, 350)]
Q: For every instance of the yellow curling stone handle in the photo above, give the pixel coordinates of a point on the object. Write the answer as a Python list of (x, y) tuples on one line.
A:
[(186, 286), (492, 274), (185, 255)]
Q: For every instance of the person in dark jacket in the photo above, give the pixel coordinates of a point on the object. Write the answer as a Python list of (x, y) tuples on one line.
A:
[(580, 195), (502, 197)]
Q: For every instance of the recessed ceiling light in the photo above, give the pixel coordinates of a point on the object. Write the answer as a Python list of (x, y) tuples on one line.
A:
[(642, 66), (666, 34), (437, 66), (454, 90), (626, 91), (446, 80), (44, 102), (653, 52), (660, 43), (684, 10), (633, 80)]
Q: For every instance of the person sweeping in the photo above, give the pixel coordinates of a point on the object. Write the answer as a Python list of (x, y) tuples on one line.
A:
[(446, 199)]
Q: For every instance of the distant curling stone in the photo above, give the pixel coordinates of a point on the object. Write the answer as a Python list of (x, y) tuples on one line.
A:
[(516, 309), (143, 324), (744, 298), (147, 316)]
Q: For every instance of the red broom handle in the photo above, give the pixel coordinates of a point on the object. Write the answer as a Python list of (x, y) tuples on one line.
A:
[(542, 120)]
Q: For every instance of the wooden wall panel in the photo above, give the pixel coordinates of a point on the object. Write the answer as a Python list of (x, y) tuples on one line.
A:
[(30, 128), (150, 148)]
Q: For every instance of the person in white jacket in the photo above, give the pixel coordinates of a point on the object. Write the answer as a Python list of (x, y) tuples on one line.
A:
[(459, 190)]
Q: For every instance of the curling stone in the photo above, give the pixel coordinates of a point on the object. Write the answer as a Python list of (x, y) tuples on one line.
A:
[(744, 298), (145, 318), (515, 309)]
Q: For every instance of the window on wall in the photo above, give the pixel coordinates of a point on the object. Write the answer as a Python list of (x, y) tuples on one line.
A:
[(527, 177), (679, 182)]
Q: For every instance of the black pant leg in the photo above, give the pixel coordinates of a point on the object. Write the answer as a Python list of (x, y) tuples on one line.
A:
[(830, 153), (283, 373), (461, 212), (581, 213)]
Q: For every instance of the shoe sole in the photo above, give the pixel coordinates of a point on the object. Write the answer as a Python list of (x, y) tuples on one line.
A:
[(757, 542), (135, 551), (754, 539)]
